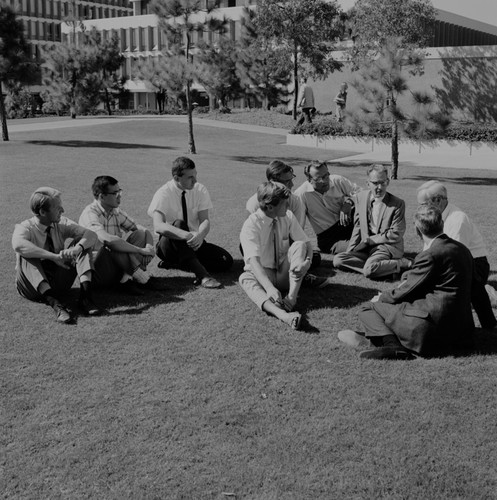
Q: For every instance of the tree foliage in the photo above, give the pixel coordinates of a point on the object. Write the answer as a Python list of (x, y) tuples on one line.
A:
[(265, 69), (180, 20), (15, 65), (373, 22), (307, 29), (381, 83), (78, 74)]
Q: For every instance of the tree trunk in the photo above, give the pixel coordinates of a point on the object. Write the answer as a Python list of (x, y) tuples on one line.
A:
[(3, 116), (191, 139), (395, 149), (296, 83)]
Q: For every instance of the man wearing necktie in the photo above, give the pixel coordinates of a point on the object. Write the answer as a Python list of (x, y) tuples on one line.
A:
[(46, 267), (376, 247), (180, 214), (274, 269)]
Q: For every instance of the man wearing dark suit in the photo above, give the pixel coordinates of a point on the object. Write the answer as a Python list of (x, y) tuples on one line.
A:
[(429, 313), (376, 246)]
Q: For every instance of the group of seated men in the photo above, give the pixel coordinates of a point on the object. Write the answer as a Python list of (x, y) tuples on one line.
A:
[(429, 312)]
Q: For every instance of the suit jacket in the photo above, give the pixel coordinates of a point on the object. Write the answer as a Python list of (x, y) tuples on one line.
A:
[(433, 312), (391, 223)]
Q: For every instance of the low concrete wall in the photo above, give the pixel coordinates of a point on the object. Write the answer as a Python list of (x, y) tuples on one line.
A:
[(437, 153)]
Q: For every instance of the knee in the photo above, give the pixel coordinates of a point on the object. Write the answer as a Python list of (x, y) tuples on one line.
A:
[(370, 270)]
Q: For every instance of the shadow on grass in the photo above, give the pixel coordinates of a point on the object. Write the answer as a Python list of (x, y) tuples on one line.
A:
[(473, 181), (485, 342), (97, 144), (265, 160)]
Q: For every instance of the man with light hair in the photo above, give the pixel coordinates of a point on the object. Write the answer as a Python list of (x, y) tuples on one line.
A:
[(274, 268), (46, 266), (461, 228), (429, 312), (123, 249), (376, 247)]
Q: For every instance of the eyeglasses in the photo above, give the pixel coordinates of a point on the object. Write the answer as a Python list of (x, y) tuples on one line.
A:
[(115, 193), (378, 183)]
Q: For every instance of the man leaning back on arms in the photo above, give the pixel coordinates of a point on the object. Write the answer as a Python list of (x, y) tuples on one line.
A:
[(180, 214), (46, 267), (123, 249)]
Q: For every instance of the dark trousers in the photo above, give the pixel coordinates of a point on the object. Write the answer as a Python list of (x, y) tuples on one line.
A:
[(479, 296), (335, 239), (177, 254), (305, 116)]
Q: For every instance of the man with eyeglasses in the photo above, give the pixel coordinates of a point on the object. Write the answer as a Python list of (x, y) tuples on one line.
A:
[(328, 204), (376, 247), (459, 227), (123, 249)]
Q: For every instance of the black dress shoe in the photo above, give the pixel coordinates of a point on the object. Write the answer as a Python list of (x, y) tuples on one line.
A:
[(387, 353), (88, 307), (62, 314), (130, 288)]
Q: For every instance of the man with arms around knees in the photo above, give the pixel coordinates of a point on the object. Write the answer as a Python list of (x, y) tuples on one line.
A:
[(429, 313), (376, 246), (123, 249), (328, 204), (273, 266), (46, 268), (180, 213), (459, 227)]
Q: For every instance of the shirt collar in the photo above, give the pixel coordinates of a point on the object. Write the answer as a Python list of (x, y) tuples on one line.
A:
[(102, 210)]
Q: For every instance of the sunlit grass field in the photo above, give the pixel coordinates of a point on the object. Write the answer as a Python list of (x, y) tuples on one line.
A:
[(195, 394)]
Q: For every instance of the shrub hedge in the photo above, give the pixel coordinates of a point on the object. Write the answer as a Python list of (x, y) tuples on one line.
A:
[(473, 132)]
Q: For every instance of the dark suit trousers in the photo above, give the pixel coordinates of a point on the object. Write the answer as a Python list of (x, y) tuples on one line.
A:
[(177, 254), (335, 239), (479, 297)]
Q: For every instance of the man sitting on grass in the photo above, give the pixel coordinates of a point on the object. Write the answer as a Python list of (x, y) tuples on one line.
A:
[(46, 267), (180, 213), (123, 249), (429, 312), (273, 266)]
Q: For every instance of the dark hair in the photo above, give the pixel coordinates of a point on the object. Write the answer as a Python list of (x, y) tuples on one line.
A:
[(181, 164), (277, 168), (101, 184), (42, 198), (315, 164), (271, 193), (428, 220)]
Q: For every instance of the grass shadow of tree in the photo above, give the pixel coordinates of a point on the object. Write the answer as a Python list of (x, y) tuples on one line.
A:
[(72, 143), (470, 181)]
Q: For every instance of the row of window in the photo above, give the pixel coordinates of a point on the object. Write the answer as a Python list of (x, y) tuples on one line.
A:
[(42, 31)]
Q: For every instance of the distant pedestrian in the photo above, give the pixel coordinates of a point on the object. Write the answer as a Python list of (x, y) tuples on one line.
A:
[(341, 102), (306, 102)]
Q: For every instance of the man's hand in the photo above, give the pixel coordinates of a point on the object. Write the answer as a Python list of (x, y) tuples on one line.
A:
[(195, 241), (71, 253), (60, 260), (274, 295), (376, 298), (345, 213), (300, 270)]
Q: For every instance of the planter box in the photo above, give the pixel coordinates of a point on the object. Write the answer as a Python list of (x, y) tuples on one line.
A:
[(437, 153)]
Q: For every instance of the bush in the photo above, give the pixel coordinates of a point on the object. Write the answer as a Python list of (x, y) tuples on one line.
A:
[(471, 132)]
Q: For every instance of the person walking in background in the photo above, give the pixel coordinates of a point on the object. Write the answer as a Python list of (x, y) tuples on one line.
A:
[(376, 247), (306, 103), (341, 102), (460, 227), (46, 266), (123, 249), (180, 214)]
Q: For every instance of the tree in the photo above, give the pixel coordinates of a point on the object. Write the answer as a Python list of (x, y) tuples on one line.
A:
[(264, 68), (381, 83), (216, 70), (307, 28), (373, 22), (179, 20), (14, 58)]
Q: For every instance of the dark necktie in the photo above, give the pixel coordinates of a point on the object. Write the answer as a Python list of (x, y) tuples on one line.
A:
[(183, 207), (49, 242)]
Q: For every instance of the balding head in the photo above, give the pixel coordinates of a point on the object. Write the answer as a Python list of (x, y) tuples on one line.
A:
[(433, 193)]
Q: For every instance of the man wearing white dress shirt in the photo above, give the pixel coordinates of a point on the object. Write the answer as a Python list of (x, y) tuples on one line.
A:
[(180, 214)]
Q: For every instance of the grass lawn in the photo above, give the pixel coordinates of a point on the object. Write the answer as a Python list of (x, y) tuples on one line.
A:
[(193, 393)]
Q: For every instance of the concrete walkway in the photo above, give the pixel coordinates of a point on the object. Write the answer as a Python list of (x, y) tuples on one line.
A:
[(435, 158)]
